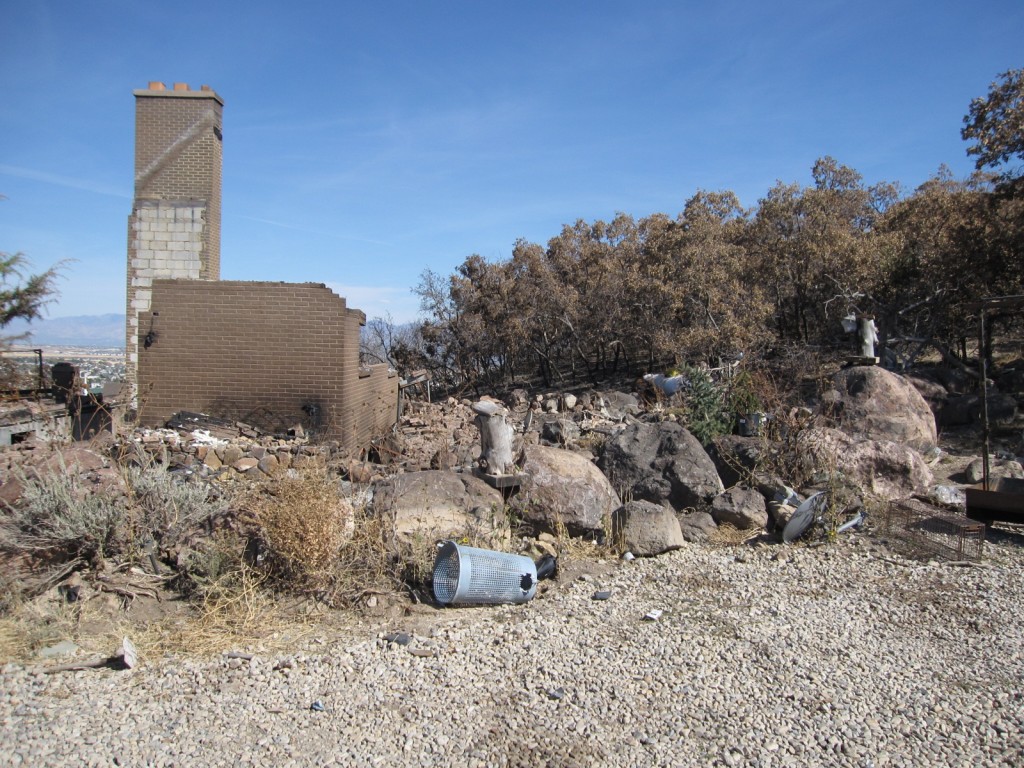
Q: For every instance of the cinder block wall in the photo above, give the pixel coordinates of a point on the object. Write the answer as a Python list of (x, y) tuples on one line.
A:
[(271, 354), (174, 226)]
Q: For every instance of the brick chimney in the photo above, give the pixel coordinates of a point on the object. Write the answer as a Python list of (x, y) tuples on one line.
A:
[(174, 226)]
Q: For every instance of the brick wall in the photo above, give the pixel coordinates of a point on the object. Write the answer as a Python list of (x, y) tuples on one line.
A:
[(271, 354), (174, 226)]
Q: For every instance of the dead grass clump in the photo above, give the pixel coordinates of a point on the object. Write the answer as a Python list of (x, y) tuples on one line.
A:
[(25, 628), (607, 545), (235, 605), (237, 610), (728, 535), (303, 521)]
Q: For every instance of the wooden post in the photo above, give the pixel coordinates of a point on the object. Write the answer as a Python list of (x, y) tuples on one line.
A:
[(867, 335), (495, 439)]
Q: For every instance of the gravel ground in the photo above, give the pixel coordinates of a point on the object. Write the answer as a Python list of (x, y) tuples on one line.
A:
[(841, 655)]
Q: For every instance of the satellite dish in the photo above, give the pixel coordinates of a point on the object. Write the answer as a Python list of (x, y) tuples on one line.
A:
[(804, 516)]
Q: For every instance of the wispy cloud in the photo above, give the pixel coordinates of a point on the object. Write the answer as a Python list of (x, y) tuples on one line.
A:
[(308, 230), (63, 181)]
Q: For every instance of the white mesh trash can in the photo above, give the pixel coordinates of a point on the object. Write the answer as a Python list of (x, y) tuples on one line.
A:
[(482, 576)]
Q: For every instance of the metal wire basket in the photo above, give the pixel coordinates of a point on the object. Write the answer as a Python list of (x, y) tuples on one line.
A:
[(482, 576)]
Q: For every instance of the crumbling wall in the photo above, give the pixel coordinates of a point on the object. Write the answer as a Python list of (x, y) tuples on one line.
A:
[(371, 391), (277, 353)]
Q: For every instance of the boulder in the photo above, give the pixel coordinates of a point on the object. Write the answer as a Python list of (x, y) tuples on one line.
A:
[(741, 507), (619, 405), (518, 401), (11, 490), (697, 526), (562, 488), (975, 471), (661, 463), (229, 454), (884, 469), (560, 431), (646, 529), (875, 404), (269, 465), (78, 458), (966, 409), (780, 513), (431, 505), (933, 392), (245, 464)]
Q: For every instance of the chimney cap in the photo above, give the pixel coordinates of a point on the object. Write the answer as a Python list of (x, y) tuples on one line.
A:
[(159, 90)]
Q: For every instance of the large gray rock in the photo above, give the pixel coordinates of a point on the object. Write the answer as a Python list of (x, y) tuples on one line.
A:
[(562, 488), (966, 409), (741, 507), (619, 405), (646, 529), (560, 431), (697, 526), (431, 505), (873, 403), (662, 463), (932, 390), (975, 471), (886, 470)]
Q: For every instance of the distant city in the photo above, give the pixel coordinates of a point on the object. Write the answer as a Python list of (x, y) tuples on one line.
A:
[(96, 365)]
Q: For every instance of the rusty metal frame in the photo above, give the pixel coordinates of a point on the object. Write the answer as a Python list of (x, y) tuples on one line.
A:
[(982, 307)]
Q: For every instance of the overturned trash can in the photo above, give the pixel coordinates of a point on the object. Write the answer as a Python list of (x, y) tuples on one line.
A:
[(482, 576)]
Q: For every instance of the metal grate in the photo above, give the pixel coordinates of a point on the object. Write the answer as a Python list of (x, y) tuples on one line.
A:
[(936, 532), (471, 575), (446, 575)]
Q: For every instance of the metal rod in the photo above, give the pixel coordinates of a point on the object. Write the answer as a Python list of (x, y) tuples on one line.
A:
[(39, 355), (984, 400)]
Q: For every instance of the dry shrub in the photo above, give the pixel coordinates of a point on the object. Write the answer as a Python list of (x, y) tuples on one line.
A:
[(57, 516), (367, 563), (169, 507), (234, 605), (316, 541), (303, 521)]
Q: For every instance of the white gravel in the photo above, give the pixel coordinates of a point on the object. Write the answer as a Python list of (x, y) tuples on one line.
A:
[(843, 655)]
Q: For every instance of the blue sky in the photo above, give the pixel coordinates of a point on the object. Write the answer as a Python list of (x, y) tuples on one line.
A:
[(366, 142)]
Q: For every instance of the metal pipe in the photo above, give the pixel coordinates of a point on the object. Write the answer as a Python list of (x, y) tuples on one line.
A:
[(39, 355), (984, 400)]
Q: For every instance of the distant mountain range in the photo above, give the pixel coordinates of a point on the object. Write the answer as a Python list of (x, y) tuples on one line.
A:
[(80, 331)]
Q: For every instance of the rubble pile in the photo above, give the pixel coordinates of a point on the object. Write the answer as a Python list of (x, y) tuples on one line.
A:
[(221, 458)]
